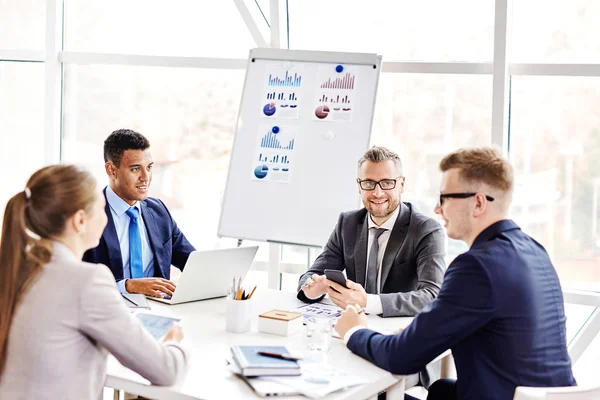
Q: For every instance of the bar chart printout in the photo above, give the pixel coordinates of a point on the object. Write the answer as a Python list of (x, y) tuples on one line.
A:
[(287, 79), (334, 99), (283, 89), (271, 141), (274, 153), (289, 96), (344, 82)]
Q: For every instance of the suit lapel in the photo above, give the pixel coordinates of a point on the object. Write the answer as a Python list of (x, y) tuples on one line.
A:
[(115, 259), (152, 231), (395, 242), (360, 250)]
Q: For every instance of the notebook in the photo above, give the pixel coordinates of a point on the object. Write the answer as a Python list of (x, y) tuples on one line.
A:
[(261, 386), (253, 364)]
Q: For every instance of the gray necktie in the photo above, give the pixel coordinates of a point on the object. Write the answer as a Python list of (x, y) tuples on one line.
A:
[(372, 263)]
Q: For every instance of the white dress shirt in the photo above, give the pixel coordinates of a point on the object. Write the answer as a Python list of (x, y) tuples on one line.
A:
[(118, 208), (373, 300)]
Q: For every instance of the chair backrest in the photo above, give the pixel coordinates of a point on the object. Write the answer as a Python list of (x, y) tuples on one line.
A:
[(557, 393)]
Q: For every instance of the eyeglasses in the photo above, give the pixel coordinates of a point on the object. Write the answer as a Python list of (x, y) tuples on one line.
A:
[(459, 196), (384, 184)]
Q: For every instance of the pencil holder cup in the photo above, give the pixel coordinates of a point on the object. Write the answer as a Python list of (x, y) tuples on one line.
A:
[(238, 315)]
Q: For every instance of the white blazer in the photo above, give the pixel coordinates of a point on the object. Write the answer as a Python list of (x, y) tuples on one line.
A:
[(65, 325)]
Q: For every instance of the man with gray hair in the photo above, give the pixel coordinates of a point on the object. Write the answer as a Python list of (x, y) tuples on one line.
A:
[(393, 255)]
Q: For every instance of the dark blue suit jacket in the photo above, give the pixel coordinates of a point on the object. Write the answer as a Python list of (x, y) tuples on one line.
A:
[(500, 310), (169, 245)]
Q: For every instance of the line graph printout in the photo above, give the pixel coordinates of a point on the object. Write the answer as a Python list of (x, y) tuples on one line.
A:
[(282, 94)]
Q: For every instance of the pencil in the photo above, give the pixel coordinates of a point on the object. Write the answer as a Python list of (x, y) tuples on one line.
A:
[(129, 300), (251, 293)]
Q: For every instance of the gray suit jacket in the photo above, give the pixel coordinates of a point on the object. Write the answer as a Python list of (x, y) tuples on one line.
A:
[(65, 325), (413, 263)]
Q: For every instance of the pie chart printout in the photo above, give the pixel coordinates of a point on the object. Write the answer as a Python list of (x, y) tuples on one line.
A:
[(269, 109), (322, 112), (261, 171)]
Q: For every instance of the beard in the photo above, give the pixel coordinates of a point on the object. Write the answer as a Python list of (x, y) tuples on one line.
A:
[(393, 204)]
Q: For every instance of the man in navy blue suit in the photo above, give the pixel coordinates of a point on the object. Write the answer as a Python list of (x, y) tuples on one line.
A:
[(141, 240), (500, 308)]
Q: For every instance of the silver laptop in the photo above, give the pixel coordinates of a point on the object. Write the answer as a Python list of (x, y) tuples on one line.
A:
[(208, 274)]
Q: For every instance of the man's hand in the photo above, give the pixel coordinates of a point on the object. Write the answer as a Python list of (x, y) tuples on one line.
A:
[(343, 297), (175, 334), (315, 286), (150, 286), (349, 319)]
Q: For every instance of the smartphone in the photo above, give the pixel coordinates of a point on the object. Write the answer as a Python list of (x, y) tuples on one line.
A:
[(336, 276)]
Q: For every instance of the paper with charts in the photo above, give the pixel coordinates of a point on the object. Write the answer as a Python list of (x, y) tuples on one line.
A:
[(335, 93), (319, 379), (274, 153), (282, 91), (319, 310)]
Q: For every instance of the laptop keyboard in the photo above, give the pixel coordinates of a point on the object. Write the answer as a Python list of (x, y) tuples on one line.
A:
[(165, 296)]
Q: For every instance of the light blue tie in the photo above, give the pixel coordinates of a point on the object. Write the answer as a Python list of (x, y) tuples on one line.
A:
[(135, 245)]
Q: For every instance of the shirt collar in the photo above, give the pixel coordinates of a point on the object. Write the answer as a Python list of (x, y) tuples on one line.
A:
[(62, 251), (117, 204), (389, 224), (495, 229)]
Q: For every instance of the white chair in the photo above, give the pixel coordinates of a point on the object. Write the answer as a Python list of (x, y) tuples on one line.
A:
[(557, 393)]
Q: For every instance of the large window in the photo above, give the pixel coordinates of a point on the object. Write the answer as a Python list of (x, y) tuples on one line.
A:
[(21, 124), (399, 29), (157, 27), (189, 117), (555, 148), (22, 24), (423, 127), (556, 31)]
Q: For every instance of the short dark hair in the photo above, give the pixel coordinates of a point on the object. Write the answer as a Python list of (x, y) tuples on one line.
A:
[(120, 140)]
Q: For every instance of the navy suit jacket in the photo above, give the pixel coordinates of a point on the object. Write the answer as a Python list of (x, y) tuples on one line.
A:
[(500, 310), (169, 245)]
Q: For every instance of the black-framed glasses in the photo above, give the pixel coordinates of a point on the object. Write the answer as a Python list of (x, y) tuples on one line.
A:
[(384, 184), (459, 196)]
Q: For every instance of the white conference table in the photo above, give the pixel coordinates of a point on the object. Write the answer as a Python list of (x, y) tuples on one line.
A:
[(208, 377)]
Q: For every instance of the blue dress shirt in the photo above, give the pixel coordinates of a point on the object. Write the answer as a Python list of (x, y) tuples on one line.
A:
[(118, 207)]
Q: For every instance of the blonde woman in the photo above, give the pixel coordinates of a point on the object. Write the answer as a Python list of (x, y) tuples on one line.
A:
[(59, 316)]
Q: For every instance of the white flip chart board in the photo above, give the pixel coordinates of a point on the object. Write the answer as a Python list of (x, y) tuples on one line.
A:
[(304, 121)]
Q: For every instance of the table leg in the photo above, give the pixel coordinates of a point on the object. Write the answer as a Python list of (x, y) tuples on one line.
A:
[(448, 368), (396, 391)]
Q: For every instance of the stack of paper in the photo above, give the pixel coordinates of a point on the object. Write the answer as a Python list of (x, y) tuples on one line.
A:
[(317, 380)]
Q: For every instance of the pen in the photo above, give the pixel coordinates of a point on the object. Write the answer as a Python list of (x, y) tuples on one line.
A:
[(129, 300), (361, 311), (279, 355)]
